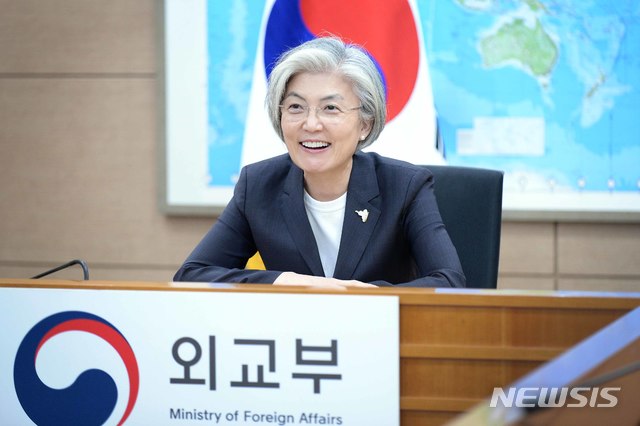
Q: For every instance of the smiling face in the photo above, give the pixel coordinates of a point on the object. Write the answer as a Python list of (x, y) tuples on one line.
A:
[(321, 126)]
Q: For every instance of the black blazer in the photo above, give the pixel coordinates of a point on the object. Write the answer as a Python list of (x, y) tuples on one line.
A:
[(403, 241)]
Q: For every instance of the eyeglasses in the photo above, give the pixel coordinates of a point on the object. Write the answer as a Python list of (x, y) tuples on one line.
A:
[(329, 113)]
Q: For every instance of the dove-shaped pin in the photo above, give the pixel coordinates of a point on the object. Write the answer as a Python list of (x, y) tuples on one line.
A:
[(364, 214)]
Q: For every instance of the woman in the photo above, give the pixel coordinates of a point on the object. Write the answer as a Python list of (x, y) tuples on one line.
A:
[(327, 214)]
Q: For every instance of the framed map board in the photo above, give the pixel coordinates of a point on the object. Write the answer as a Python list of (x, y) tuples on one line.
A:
[(547, 93)]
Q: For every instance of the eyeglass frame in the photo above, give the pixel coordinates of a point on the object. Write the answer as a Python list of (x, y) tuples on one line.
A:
[(306, 108)]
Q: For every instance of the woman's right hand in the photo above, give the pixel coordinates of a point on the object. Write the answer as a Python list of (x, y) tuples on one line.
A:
[(292, 278)]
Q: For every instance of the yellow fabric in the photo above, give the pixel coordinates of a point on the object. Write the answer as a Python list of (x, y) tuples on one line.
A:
[(255, 262)]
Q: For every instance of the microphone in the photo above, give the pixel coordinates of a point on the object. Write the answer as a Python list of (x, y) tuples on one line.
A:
[(82, 263)]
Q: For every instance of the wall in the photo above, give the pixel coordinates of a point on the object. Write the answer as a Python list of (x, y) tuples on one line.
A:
[(79, 149)]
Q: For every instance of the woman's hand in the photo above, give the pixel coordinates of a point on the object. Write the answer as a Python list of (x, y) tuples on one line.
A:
[(291, 278)]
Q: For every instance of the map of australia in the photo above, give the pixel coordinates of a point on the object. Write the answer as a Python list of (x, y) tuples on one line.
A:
[(516, 43)]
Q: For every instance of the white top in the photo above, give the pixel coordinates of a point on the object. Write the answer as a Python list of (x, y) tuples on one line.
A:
[(326, 218)]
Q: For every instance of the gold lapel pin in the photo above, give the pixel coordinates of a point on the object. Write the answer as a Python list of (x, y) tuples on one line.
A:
[(364, 214)]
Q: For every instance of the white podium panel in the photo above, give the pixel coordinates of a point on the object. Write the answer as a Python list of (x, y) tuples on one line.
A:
[(179, 357)]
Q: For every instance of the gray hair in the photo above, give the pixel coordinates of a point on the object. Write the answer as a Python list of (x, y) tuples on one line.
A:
[(330, 54)]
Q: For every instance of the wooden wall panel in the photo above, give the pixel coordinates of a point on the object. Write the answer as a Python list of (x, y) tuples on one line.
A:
[(80, 174), (527, 248), (600, 250), (526, 281), (78, 36), (588, 283)]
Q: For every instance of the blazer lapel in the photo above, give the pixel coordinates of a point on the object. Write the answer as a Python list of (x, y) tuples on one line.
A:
[(362, 196), (295, 217)]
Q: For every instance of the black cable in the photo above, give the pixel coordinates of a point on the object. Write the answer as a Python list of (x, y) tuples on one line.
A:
[(82, 263)]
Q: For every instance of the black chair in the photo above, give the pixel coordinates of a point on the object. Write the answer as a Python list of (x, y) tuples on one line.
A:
[(470, 202)]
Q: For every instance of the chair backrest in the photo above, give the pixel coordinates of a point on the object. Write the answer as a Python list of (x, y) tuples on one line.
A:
[(470, 203)]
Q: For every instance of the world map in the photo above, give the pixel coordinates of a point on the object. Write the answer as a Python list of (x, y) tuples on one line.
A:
[(545, 90)]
